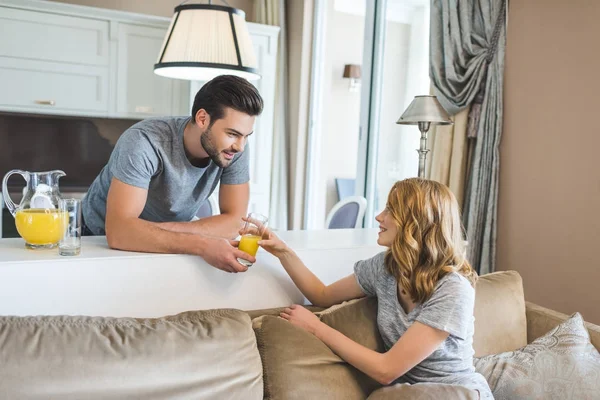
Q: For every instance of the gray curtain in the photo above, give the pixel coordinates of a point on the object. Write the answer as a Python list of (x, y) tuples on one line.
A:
[(466, 68)]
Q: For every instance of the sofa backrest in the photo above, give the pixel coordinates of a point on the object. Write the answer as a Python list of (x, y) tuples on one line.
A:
[(193, 355), (500, 320)]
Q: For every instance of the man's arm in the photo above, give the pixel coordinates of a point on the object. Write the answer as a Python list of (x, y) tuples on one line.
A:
[(233, 202), (126, 231)]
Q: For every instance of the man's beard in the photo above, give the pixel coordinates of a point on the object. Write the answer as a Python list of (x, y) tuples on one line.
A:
[(211, 149)]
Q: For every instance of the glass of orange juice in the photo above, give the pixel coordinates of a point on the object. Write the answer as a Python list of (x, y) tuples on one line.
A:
[(253, 231)]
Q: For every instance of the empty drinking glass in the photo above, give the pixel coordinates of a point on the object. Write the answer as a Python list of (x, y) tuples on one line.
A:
[(70, 244)]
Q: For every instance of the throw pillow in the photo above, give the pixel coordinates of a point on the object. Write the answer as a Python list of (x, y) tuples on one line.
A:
[(297, 365), (562, 364), (356, 319)]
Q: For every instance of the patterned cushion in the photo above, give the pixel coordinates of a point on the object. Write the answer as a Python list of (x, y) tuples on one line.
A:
[(562, 364)]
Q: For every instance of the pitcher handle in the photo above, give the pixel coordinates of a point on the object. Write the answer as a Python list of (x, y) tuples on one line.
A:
[(12, 207)]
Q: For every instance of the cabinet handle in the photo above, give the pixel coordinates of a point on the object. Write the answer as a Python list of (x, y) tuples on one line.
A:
[(144, 109), (45, 102)]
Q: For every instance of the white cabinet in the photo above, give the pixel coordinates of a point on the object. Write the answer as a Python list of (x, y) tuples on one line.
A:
[(52, 88), (36, 35), (261, 142), (53, 64), (58, 58), (140, 92), (264, 39)]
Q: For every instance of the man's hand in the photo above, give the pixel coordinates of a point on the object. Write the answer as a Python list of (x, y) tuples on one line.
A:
[(221, 254)]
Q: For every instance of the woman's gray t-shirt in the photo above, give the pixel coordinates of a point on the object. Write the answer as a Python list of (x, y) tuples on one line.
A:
[(450, 309)]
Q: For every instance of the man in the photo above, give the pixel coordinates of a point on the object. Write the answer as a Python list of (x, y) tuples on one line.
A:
[(162, 169)]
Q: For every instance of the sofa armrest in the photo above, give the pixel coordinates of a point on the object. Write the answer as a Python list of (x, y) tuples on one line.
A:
[(540, 320)]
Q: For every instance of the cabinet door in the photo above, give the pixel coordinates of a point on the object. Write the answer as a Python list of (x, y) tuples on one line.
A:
[(53, 64), (140, 92), (53, 88), (261, 143), (43, 36)]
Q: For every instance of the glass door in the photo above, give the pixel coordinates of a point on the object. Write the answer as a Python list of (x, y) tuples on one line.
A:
[(396, 52), (337, 77)]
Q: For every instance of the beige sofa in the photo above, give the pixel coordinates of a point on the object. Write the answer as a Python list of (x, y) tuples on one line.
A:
[(232, 354)]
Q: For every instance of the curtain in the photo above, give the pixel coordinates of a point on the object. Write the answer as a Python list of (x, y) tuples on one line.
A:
[(449, 149), (466, 68), (272, 12)]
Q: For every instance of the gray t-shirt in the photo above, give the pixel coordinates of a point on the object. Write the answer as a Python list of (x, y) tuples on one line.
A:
[(450, 309), (151, 155)]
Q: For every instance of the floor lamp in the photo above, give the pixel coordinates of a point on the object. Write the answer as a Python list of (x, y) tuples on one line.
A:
[(424, 111)]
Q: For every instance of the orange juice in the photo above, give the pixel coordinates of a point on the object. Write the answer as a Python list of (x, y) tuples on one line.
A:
[(249, 244), (41, 226)]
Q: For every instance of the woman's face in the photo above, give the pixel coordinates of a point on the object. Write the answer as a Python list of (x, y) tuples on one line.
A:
[(387, 228)]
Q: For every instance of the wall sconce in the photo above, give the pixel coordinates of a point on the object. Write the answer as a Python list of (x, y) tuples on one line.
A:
[(352, 71)]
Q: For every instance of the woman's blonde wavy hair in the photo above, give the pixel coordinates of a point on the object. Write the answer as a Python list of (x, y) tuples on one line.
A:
[(429, 243)]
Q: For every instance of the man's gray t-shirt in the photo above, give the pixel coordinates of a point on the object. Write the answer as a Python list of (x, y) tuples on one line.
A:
[(151, 155), (450, 309)]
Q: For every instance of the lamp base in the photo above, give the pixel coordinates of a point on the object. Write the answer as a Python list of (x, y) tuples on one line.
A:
[(422, 150)]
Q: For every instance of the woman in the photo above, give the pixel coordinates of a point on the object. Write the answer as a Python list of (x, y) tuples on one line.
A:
[(424, 288)]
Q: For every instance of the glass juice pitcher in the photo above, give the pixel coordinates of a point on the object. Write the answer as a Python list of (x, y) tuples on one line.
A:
[(38, 218)]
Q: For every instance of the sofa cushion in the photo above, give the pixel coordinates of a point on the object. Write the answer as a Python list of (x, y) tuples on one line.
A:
[(200, 355), (356, 319), (297, 365), (424, 391), (562, 364), (500, 321)]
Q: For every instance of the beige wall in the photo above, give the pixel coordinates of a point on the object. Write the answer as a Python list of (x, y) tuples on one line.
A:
[(549, 219), (162, 8)]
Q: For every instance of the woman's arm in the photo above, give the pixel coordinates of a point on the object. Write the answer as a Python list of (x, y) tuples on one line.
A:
[(314, 290), (414, 346), (311, 287)]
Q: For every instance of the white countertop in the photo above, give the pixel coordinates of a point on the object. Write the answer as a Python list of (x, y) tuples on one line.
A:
[(106, 282), (96, 247)]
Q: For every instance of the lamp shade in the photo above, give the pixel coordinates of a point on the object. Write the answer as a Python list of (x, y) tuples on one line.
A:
[(425, 109), (204, 41), (352, 71)]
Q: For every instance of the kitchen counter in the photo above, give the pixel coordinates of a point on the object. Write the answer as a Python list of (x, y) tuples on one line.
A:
[(107, 282)]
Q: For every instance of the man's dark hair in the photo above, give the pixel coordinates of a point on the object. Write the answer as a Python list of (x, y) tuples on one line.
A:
[(227, 91)]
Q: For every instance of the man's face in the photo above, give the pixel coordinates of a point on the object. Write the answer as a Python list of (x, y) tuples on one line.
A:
[(227, 136)]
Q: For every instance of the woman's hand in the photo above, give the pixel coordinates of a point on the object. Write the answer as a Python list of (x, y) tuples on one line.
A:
[(301, 317), (271, 243)]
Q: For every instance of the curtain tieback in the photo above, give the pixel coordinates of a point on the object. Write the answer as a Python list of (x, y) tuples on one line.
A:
[(475, 112)]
